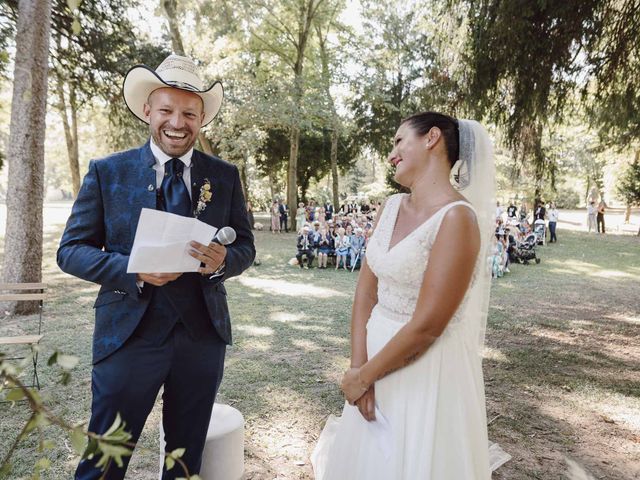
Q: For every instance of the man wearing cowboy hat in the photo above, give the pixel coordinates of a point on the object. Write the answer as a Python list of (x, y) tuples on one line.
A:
[(158, 330)]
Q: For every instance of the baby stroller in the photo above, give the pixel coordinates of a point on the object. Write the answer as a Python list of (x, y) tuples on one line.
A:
[(525, 251), (540, 230)]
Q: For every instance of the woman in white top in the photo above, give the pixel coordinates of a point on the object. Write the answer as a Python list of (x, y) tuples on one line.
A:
[(591, 216)]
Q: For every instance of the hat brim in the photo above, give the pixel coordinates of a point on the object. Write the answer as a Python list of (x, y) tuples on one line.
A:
[(140, 81)]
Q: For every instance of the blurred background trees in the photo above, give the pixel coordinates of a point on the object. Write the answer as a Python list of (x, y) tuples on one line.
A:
[(316, 88)]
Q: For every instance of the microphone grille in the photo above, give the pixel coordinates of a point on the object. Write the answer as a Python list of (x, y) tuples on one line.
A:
[(226, 235)]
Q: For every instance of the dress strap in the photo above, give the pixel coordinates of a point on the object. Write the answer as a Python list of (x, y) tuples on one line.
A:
[(439, 216), (449, 206)]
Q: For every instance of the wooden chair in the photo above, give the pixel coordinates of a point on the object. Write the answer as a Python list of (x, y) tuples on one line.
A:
[(27, 292)]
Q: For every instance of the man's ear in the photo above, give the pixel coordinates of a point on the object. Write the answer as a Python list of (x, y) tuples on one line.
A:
[(146, 109)]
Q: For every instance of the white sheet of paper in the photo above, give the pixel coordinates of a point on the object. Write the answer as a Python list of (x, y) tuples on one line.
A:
[(380, 429), (162, 241)]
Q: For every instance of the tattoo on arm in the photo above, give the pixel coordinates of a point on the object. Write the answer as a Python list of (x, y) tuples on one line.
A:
[(407, 361)]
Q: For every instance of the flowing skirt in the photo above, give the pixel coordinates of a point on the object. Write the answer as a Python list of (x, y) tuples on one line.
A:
[(430, 417)]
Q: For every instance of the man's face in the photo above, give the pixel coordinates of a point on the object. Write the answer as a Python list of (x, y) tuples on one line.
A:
[(175, 117)]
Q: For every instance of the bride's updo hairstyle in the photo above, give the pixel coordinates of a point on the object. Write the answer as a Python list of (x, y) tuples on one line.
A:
[(425, 121)]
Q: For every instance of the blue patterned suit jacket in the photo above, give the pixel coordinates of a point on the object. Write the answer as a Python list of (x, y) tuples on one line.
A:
[(99, 235)]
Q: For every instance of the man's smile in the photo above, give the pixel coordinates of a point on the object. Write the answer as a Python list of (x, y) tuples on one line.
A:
[(174, 135)]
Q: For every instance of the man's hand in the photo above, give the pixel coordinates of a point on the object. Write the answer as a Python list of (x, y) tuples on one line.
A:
[(157, 279), (212, 256), (367, 404)]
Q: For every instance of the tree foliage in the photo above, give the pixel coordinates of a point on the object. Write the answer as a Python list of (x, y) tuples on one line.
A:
[(314, 160), (629, 183), (95, 45), (526, 58)]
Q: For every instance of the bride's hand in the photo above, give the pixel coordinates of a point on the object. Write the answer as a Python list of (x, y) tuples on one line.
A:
[(367, 404), (352, 386)]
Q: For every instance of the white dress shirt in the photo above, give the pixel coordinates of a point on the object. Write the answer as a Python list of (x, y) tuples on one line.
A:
[(162, 158)]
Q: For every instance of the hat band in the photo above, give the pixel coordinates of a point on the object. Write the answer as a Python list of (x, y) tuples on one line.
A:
[(181, 85)]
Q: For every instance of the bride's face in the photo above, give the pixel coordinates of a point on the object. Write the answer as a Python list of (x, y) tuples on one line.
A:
[(408, 155)]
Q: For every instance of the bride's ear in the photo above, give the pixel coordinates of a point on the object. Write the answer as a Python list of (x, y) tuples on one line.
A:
[(432, 137)]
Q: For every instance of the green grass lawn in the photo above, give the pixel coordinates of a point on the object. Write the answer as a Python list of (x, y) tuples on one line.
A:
[(562, 362)]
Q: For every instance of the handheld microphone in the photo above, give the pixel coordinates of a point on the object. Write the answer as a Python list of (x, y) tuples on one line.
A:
[(225, 236)]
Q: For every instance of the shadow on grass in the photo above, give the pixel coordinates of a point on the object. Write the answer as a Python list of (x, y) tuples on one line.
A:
[(563, 370)]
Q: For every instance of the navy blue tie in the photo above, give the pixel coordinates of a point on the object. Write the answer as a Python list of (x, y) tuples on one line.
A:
[(174, 192)]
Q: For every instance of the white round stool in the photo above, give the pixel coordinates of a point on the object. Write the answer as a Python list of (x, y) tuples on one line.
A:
[(223, 454)]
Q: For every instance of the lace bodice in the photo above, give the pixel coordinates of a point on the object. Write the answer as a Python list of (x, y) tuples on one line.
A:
[(400, 270)]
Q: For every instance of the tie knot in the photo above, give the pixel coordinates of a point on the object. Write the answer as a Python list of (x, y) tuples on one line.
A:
[(174, 167)]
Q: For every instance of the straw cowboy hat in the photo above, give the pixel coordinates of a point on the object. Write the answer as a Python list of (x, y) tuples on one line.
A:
[(176, 72)]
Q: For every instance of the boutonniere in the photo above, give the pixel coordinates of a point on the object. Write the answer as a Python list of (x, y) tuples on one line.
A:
[(205, 197)]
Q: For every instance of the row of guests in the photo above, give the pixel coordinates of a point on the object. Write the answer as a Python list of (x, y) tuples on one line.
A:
[(312, 212), (541, 213), (346, 243)]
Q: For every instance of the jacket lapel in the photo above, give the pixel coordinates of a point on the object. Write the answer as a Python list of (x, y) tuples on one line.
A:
[(197, 181), (200, 173), (145, 178)]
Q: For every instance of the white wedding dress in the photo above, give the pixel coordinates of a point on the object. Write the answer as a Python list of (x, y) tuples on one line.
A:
[(431, 414)]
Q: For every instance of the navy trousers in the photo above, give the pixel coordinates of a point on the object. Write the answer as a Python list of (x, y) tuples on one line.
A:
[(128, 382)]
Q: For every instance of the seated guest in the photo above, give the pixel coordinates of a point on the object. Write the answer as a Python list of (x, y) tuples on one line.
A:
[(511, 245), (315, 233), (348, 230), (504, 241), (496, 258), (324, 243), (305, 247), (342, 244), (357, 246), (332, 232)]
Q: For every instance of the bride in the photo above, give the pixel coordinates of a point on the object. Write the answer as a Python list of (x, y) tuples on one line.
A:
[(415, 391)]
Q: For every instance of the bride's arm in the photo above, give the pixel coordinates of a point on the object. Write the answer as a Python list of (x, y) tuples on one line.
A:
[(364, 300), (446, 279)]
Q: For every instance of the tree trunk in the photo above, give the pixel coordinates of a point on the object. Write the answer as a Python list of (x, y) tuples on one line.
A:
[(307, 12), (171, 12), (25, 193), (292, 179), (588, 195), (273, 186), (627, 214), (205, 145), (243, 178), (70, 132), (335, 132), (334, 167)]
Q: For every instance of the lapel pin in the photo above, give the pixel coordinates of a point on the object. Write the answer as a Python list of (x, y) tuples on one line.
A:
[(150, 187)]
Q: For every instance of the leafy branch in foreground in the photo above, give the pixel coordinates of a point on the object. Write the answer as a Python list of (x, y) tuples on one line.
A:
[(111, 446)]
